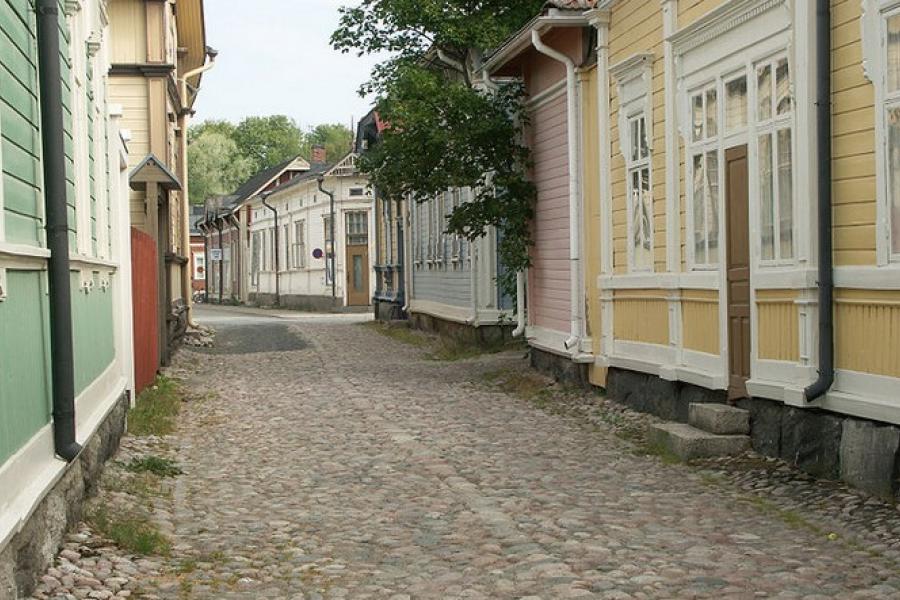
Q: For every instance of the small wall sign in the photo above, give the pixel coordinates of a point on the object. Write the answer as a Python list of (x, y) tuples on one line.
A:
[(318, 253)]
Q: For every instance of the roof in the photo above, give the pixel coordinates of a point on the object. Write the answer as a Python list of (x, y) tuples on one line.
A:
[(153, 170), (556, 13), (320, 169), (198, 214), (252, 186), (191, 23)]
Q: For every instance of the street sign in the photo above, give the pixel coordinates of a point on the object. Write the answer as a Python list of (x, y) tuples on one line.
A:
[(215, 254), (318, 253)]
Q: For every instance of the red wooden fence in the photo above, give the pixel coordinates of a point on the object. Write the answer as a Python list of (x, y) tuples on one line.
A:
[(144, 291)]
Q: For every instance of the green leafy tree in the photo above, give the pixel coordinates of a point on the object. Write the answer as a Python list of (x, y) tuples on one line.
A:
[(337, 139), (268, 141), (446, 130), (222, 126), (216, 166)]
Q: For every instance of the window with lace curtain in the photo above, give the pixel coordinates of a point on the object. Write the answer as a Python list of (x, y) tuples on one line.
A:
[(892, 127)]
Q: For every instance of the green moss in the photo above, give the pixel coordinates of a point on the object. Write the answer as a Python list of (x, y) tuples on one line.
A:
[(156, 409)]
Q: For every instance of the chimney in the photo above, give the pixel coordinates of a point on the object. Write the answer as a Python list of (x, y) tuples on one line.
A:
[(319, 155)]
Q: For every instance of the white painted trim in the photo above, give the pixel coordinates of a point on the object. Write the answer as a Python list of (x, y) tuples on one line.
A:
[(868, 278), (696, 280), (94, 403), (719, 21), (705, 379), (554, 342), (649, 353), (89, 263), (455, 314), (10, 251), (673, 199), (785, 279)]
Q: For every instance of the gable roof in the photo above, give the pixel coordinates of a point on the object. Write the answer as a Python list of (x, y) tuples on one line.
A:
[(339, 168), (259, 181), (151, 169)]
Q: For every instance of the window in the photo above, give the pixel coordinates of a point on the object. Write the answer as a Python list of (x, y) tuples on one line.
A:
[(255, 245), (285, 247), (892, 127), (736, 104), (299, 248), (704, 171), (640, 197), (271, 248), (775, 160), (357, 191), (329, 251), (357, 228)]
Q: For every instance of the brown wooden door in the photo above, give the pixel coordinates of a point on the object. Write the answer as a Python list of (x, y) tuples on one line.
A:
[(358, 275), (738, 245)]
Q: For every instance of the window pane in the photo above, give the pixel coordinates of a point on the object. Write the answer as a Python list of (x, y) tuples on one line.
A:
[(785, 194), (782, 87), (645, 145), (699, 212), (764, 92), (697, 119), (893, 53), (893, 119), (712, 206), (635, 139), (712, 114), (736, 104), (766, 220)]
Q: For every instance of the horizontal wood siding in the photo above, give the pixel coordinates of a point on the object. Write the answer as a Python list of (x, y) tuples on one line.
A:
[(132, 94), (24, 356), (867, 331), (20, 124), (549, 278), (446, 286)]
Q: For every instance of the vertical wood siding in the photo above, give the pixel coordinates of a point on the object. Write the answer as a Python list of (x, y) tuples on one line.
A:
[(641, 316), (93, 342), (867, 330), (778, 327), (700, 320), (144, 291), (549, 288), (24, 352)]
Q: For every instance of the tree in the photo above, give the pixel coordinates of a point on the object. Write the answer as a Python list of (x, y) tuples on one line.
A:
[(216, 166), (222, 126), (268, 141), (337, 139), (446, 131)]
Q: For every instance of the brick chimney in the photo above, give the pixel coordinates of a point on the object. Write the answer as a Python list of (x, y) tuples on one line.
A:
[(319, 155)]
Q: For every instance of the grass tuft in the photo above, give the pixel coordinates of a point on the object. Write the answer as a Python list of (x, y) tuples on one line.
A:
[(156, 409), (161, 467), (439, 348), (131, 532)]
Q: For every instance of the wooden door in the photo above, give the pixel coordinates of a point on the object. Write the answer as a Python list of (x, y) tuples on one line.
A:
[(738, 245), (358, 275)]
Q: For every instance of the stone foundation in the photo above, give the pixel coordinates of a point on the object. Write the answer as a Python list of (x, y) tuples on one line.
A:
[(301, 303), (480, 336), (561, 368), (863, 453), (388, 310), (31, 551)]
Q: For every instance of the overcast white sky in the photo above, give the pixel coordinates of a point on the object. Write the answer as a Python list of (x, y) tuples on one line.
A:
[(275, 58)]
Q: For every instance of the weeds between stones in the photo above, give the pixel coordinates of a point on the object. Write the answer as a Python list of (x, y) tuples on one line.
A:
[(161, 467), (156, 409), (130, 531), (439, 348)]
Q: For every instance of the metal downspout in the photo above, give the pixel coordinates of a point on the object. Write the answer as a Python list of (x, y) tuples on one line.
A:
[(321, 181), (62, 354), (576, 320), (218, 226), (265, 201), (826, 257)]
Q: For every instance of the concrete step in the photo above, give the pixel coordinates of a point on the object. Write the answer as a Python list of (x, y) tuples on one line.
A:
[(688, 443), (720, 419)]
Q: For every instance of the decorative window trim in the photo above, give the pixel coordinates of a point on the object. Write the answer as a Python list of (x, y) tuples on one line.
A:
[(873, 23)]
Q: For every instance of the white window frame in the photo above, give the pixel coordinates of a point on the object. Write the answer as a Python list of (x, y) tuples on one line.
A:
[(255, 258), (771, 127), (705, 145), (874, 35), (642, 167), (634, 76), (299, 245)]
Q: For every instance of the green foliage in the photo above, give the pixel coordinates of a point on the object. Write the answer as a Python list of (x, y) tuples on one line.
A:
[(337, 139), (444, 132), (161, 467), (216, 166), (268, 141), (131, 532), (220, 126), (156, 409)]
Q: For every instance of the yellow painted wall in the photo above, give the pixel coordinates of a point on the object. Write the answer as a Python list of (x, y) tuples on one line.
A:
[(691, 10), (636, 26), (700, 320), (131, 93), (128, 27), (854, 141), (641, 316), (867, 331), (778, 327)]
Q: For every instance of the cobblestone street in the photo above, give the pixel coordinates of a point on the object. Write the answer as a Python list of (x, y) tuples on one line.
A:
[(334, 462)]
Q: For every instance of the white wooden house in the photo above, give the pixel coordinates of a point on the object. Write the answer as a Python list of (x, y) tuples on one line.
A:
[(292, 260)]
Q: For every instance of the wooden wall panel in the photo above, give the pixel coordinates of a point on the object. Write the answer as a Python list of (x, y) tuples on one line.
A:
[(700, 320), (867, 331), (128, 26), (778, 327), (641, 316)]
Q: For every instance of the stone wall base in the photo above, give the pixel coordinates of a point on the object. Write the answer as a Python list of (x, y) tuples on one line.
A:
[(32, 550), (484, 335), (561, 368), (388, 310), (863, 453), (298, 302)]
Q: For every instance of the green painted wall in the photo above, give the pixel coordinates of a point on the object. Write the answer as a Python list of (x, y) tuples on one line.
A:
[(93, 331), (25, 403)]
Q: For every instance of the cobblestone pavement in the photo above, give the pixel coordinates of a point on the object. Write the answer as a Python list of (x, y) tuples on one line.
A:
[(346, 465)]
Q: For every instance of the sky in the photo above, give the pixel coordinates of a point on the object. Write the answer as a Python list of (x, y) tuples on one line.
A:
[(275, 58)]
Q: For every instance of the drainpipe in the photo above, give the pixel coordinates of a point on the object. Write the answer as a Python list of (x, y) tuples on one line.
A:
[(206, 261), (574, 339), (408, 264), (826, 257), (218, 226), (265, 201), (237, 258), (62, 353), (321, 181), (473, 273)]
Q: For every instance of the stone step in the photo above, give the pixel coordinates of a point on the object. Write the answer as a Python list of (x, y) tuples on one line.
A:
[(720, 419), (688, 443)]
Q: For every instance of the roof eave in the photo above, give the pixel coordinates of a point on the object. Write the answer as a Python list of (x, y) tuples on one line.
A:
[(521, 40)]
